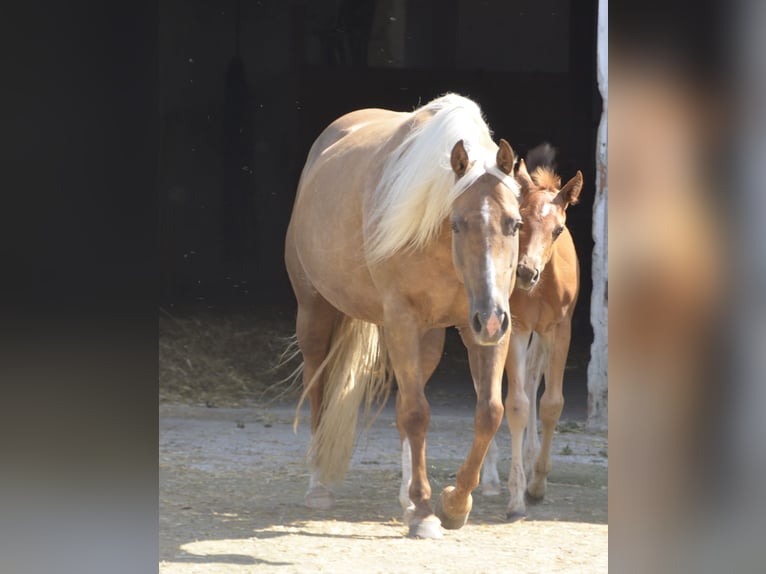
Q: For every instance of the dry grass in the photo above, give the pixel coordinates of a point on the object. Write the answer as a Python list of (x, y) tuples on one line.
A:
[(225, 359)]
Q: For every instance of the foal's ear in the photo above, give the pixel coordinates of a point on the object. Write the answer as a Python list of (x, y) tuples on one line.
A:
[(459, 159), (505, 157), (570, 193), (522, 176)]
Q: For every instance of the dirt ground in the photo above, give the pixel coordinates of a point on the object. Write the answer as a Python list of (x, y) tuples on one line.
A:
[(232, 481)]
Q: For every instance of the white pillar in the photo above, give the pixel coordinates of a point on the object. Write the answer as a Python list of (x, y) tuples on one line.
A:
[(598, 389)]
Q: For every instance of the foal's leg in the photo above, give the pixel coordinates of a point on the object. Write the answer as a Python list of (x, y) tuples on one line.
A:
[(314, 326), (404, 341), (487, 371), (537, 354), (551, 405), (431, 349), (490, 479), (516, 412)]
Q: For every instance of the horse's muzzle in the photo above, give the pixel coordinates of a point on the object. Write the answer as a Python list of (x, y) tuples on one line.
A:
[(489, 327)]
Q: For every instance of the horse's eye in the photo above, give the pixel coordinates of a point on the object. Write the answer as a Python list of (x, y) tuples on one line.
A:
[(557, 231), (511, 226), (454, 226)]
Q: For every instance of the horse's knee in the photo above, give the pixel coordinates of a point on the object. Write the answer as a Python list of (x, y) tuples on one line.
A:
[(489, 415), (550, 408), (517, 407)]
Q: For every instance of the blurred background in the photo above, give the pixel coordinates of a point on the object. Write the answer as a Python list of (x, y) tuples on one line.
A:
[(686, 266)]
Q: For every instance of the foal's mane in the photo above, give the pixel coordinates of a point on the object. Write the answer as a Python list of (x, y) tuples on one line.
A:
[(545, 179), (417, 186)]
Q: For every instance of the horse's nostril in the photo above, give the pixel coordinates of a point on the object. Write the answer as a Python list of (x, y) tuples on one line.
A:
[(537, 275), (504, 326), (476, 323)]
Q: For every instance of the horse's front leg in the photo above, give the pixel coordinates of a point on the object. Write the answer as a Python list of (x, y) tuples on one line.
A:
[(404, 341), (487, 371), (551, 405), (431, 348)]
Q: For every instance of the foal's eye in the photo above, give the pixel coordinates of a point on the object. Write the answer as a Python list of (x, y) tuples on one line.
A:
[(454, 226), (558, 231)]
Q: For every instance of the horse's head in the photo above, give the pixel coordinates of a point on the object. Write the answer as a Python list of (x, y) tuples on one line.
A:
[(543, 211), (485, 242)]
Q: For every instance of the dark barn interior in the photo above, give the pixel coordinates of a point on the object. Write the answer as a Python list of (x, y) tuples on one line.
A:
[(246, 86)]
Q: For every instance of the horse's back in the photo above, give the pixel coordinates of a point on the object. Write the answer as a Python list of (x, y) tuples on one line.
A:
[(353, 128), (325, 231)]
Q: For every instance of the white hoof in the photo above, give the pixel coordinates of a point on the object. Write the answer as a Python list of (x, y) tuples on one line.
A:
[(429, 528), (320, 498)]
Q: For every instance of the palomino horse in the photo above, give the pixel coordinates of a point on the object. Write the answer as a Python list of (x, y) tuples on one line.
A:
[(403, 224), (542, 305)]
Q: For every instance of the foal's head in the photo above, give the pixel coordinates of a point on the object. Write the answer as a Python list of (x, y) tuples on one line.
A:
[(485, 221), (543, 211)]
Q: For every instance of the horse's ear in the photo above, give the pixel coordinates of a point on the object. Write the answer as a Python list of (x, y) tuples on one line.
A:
[(570, 193), (505, 157), (522, 176), (459, 159)]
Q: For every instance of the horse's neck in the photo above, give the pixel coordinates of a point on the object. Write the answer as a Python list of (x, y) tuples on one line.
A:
[(560, 275)]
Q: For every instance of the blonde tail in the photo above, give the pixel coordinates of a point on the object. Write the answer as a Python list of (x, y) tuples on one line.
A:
[(357, 370)]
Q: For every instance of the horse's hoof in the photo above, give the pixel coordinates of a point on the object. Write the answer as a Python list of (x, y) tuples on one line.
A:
[(409, 516), (514, 516), (448, 521), (319, 499), (490, 490), (429, 527), (533, 498)]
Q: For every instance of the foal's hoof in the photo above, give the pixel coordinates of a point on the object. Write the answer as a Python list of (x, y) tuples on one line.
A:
[(490, 490), (429, 527), (319, 498), (514, 516), (452, 521)]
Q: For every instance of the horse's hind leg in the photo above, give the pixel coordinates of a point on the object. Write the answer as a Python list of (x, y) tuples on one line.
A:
[(314, 327), (490, 479), (551, 405)]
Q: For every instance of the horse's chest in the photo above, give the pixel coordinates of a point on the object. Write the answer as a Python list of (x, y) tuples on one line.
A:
[(535, 312)]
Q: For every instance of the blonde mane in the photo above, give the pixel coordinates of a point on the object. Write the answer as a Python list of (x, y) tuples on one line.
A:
[(417, 187)]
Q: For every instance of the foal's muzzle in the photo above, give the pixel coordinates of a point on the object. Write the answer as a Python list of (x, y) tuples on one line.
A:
[(527, 277)]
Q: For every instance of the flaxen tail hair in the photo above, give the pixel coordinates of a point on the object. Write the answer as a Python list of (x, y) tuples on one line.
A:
[(356, 371)]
